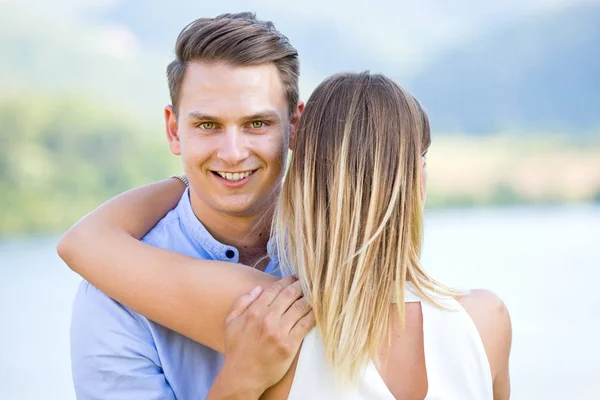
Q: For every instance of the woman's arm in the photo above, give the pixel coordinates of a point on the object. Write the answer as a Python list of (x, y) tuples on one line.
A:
[(188, 295), (492, 319)]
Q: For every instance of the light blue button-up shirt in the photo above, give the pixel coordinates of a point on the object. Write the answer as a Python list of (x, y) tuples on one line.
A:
[(119, 354)]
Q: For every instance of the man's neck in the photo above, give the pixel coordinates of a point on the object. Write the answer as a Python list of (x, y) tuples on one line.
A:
[(249, 234)]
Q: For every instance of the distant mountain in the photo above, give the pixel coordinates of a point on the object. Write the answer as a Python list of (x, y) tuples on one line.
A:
[(538, 74)]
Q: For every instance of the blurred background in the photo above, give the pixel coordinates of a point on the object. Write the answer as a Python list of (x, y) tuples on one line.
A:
[(513, 93)]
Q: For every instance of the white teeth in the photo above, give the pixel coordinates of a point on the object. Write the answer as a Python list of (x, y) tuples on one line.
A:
[(236, 176)]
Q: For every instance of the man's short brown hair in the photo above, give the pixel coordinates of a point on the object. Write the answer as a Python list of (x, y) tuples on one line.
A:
[(239, 39)]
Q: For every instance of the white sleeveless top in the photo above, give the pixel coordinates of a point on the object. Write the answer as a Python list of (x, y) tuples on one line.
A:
[(455, 359)]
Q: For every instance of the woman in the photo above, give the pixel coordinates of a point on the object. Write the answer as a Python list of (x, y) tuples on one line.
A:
[(349, 223)]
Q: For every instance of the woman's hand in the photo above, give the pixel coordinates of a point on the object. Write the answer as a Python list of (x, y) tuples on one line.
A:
[(263, 334)]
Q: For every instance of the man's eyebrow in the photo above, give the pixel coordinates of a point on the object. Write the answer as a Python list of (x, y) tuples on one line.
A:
[(268, 115), (197, 116)]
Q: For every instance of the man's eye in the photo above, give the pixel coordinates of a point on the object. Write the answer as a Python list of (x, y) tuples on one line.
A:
[(207, 125), (257, 124)]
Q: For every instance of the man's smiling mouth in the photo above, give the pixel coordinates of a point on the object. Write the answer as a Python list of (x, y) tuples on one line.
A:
[(234, 176)]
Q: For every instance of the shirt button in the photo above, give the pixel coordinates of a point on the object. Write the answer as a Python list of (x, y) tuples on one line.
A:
[(230, 254)]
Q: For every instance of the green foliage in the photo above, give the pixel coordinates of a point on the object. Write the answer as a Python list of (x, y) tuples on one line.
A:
[(61, 157)]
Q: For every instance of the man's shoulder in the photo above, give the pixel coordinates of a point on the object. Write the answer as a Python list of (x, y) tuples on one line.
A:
[(94, 310), (168, 226)]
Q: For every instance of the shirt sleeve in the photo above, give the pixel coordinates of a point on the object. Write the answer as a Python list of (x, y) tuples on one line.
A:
[(113, 355)]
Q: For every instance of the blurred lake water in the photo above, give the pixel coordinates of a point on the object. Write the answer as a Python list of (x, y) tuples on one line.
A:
[(543, 262)]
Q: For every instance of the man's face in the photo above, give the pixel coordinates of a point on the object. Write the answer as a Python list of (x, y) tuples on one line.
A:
[(232, 133)]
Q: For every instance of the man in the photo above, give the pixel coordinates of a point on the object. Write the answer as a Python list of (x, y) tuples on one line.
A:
[(235, 103)]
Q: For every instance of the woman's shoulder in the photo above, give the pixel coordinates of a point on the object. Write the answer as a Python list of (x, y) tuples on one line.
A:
[(483, 302), (492, 319)]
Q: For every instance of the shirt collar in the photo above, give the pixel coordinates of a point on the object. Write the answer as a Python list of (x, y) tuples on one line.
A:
[(201, 236)]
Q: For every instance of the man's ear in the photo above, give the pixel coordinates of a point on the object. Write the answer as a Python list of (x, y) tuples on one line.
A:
[(294, 122), (172, 128)]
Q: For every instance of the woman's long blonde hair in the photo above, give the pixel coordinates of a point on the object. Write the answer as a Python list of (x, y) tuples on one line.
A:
[(349, 220)]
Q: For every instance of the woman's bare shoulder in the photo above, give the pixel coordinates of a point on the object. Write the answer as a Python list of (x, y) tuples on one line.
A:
[(483, 302), (492, 319)]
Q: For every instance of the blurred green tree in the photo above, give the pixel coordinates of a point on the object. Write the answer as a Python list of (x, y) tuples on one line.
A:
[(61, 157)]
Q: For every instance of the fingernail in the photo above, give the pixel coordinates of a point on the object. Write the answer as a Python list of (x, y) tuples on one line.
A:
[(255, 290)]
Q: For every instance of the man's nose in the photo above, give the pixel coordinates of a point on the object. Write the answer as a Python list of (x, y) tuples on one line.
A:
[(233, 148)]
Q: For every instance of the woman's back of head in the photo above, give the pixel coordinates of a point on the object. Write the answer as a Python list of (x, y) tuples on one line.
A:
[(350, 213)]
